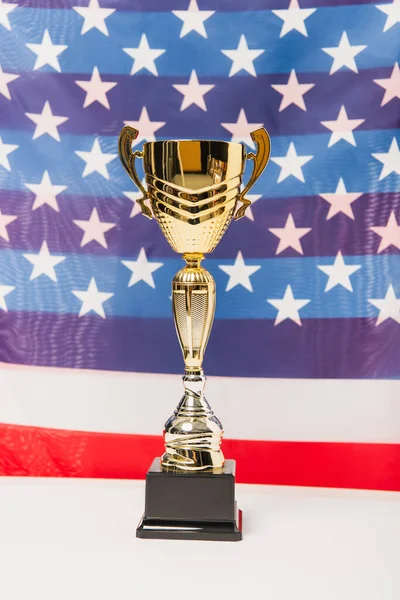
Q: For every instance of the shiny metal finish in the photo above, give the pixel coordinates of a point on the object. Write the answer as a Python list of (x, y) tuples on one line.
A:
[(127, 135), (193, 434), (194, 192), (193, 301), (193, 188)]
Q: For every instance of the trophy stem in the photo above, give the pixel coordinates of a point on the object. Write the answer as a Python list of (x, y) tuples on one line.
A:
[(193, 434)]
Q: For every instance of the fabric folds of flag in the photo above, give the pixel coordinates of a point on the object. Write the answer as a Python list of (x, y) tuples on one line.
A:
[(304, 356)]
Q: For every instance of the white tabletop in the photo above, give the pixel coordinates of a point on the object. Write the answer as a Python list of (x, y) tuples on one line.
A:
[(76, 539)]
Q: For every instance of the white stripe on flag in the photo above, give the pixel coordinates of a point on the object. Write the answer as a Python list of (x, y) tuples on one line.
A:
[(265, 409)]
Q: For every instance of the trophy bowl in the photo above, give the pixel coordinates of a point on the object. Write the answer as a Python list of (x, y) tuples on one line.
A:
[(193, 187)]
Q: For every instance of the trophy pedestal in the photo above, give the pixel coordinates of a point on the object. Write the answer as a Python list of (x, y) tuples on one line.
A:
[(191, 505)]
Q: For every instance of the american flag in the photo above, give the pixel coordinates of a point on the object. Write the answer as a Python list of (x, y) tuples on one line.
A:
[(304, 356)]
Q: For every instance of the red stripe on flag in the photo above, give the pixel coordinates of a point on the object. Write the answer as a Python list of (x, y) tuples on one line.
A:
[(58, 453)]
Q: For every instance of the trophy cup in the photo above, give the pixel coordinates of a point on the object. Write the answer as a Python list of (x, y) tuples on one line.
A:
[(193, 191)]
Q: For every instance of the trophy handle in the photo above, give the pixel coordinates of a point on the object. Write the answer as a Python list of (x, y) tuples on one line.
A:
[(126, 137), (262, 139)]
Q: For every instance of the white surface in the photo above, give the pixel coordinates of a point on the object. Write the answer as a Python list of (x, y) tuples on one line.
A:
[(283, 409), (75, 539)]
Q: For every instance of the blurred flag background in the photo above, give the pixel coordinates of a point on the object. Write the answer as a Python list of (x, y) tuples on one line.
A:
[(304, 357)]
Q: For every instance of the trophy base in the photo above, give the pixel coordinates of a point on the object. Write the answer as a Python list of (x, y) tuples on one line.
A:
[(191, 506)]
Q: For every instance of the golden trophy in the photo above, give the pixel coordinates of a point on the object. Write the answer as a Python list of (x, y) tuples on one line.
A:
[(193, 191)]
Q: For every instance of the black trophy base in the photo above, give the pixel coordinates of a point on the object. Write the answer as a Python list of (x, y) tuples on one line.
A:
[(191, 506)]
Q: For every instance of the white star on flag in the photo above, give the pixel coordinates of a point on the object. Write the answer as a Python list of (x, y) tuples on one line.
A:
[(143, 56), (242, 58), (5, 220), (253, 199), (5, 79), (239, 273), (46, 122), (5, 9), (145, 127), (392, 10), (133, 197), (46, 52), (288, 307), (289, 235), (292, 91), (92, 299), (294, 18), (241, 129), (4, 290), (5, 150), (96, 89), (44, 263), (342, 128), (45, 192), (94, 229), (391, 85), (291, 164), (344, 55), (339, 273), (389, 159), (341, 201), (193, 92), (390, 233), (193, 19), (142, 269), (94, 16), (96, 160), (389, 306)]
